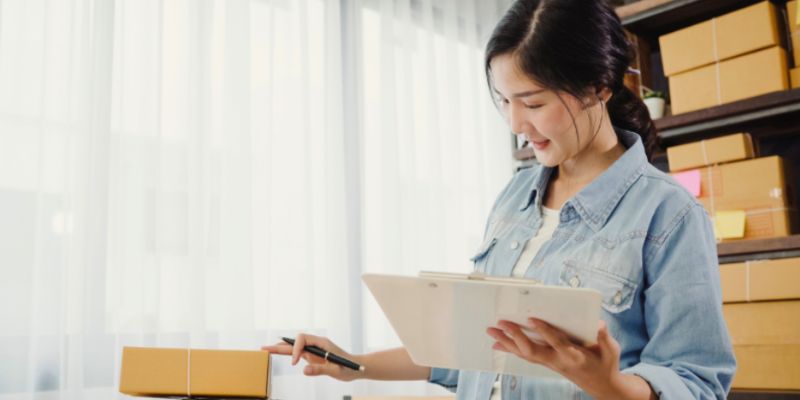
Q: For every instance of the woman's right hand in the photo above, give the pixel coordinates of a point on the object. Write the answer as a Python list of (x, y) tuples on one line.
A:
[(317, 365)]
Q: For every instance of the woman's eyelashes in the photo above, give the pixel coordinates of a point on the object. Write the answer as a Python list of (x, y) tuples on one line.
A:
[(532, 106)]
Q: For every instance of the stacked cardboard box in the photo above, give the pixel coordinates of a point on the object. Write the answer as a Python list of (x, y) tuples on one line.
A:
[(794, 28), (747, 198), (158, 372), (762, 303), (725, 59)]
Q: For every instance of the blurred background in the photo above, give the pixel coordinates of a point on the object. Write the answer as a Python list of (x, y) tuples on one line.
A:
[(218, 173)]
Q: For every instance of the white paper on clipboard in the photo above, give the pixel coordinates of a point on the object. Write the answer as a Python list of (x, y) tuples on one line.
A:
[(441, 318)]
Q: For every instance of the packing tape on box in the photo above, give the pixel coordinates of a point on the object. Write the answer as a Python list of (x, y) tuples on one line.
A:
[(747, 265), (747, 281), (710, 182), (705, 152)]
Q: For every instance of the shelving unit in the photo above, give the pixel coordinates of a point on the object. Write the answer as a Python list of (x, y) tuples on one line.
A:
[(773, 120)]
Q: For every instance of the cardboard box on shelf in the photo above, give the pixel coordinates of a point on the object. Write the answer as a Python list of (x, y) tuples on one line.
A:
[(733, 34), (759, 183), (739, 78), (205, 373), (759, 223), (738, 146), (793, 25), (760, 280), (775, 367), (757, 188), (794, 30), (763, 322), (794, 76)]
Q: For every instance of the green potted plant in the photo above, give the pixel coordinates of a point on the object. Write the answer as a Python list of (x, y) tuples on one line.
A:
[(654, 100)]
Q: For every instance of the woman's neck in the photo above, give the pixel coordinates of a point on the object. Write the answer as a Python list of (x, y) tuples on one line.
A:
[(572, 175)]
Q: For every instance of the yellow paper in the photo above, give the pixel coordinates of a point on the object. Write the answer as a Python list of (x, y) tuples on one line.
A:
[(729, 224)]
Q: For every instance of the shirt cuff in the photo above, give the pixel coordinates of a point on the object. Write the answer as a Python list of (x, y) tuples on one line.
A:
[(666, 384), (446, 378)]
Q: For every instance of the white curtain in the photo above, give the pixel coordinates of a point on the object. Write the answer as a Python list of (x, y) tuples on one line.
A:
[(216, 174)]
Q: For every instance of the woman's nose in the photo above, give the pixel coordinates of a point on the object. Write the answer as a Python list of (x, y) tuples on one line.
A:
[(515, 119)]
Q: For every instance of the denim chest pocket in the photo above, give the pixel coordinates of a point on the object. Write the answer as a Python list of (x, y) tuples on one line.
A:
[(617, 291), (482, 256)]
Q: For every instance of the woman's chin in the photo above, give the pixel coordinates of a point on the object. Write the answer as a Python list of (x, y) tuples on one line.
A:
[(546, 158)]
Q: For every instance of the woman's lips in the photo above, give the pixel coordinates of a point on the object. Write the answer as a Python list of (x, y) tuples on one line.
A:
[(540, 145)]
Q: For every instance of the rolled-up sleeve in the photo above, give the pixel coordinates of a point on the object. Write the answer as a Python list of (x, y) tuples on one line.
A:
[(447, 378), (689, 354)]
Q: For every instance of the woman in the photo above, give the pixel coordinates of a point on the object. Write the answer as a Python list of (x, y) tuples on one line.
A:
[(594, 213)]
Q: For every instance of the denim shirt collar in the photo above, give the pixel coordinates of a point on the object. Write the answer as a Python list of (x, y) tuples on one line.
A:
[(596, 201)]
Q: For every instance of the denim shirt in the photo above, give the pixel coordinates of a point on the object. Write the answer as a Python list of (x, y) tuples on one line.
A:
[(648, 247)]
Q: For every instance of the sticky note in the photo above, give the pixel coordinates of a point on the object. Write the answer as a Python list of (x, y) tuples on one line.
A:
[(690, 180), (729, 224)]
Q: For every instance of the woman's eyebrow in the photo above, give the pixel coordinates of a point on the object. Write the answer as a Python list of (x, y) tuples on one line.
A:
[(523, 94)]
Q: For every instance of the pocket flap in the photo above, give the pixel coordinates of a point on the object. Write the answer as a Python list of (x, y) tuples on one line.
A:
[(617, 292), (484, 250)]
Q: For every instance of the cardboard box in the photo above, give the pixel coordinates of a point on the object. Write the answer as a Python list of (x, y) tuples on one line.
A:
[(733, 34), (759, 183), (206, 373), (767, 367), (763, 322), (757, 187), (793, 25), (762, 223), (794, 77), (739, 78), (738, 146), (760, 280)]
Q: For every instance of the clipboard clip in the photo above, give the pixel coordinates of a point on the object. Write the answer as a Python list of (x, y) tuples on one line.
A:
[(477, 276)]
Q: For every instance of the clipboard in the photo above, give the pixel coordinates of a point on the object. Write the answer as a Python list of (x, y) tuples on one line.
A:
[(441, 318)]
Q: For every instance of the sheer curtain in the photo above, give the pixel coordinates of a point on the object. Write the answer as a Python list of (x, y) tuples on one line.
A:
[(215, 174)]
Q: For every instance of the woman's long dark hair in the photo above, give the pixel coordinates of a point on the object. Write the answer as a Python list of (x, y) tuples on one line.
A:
[(577, 47)]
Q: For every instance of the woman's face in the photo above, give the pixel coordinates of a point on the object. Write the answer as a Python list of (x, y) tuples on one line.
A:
[(543, 116)]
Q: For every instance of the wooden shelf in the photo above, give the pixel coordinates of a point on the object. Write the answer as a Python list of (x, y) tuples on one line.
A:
[(653, 18), (777, 108), (763, 395), (754, 249)]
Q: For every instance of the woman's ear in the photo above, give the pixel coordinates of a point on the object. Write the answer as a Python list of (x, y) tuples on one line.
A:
[(604, 94)]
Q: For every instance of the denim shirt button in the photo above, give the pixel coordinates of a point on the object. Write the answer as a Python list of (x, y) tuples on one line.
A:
[(514, 245), (513, 383), (618, 298), (575, 281)]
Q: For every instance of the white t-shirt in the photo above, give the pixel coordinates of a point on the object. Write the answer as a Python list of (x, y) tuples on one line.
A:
[(549, 224)]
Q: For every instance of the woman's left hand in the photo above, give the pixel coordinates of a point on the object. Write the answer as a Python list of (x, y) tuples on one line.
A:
[(594, 368)]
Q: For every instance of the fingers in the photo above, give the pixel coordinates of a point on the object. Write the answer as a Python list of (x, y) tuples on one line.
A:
[(511, 338), (557, 339), (608, 345), (504, 343), (300, 342), (329, 369), (521, 340), (279, 348)]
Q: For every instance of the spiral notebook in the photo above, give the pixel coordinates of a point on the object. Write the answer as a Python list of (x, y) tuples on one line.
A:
[(441, 318)]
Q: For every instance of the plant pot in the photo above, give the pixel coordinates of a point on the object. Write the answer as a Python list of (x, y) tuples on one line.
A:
[(655, 106)]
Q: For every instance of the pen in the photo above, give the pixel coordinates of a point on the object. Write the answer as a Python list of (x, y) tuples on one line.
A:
[(327, 355)]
